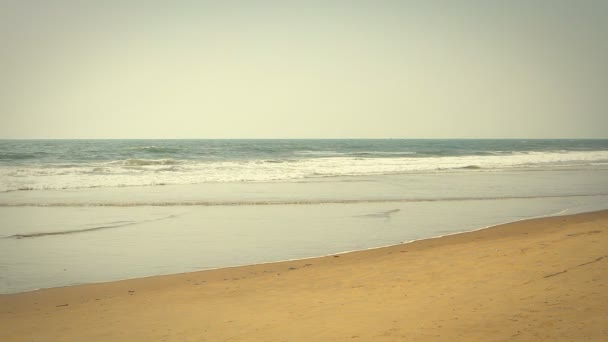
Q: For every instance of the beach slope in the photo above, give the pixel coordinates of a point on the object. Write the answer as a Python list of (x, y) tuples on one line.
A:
[(539, 279)]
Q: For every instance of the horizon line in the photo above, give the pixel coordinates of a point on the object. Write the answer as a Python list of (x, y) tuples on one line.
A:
[(520, 138)]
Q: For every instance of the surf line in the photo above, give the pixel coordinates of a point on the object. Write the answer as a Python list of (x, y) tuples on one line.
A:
[(85, 230), (283, 202)]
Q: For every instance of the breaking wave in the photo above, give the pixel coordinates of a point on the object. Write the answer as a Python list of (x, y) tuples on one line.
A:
[(146, 172), (146, 162)]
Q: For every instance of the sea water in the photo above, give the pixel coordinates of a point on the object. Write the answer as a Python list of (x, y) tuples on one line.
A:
[(80, 211)]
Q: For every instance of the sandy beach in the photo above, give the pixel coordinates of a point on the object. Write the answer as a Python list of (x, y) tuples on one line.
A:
[(304, 171), (540, 279)]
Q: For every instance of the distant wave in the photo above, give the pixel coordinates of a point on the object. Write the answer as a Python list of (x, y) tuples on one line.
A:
[(85, 230), (20, 156), (357, 153), (155, 149), (282, 202), (382, 154)]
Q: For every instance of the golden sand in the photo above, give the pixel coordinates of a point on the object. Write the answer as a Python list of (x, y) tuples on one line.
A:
[(541, 279)]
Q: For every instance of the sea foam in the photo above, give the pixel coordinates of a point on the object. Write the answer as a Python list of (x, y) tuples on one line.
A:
[(138, 172)]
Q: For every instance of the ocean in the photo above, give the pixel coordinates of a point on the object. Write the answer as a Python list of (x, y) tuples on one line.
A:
[(81, 211), (72, 164)]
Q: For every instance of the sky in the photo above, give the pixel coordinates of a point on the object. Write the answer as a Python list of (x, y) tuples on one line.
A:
[(304, 69)]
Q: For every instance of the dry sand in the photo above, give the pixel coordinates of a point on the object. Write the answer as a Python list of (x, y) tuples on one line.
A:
[(541, 279)]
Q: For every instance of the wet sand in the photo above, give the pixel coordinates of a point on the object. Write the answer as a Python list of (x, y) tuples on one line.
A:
[(540, 279)]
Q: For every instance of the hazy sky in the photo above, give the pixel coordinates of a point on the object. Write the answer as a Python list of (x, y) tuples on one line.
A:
[(306, 69)]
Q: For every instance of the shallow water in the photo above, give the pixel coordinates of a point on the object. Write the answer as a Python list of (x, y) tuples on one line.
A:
[(54, 238)]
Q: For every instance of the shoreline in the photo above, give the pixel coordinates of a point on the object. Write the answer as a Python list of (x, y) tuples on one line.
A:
[(282, 300), (560, 213)]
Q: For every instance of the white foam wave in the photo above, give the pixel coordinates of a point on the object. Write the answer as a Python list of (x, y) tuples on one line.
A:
[(135, 172), (320, 153), (144, 162), (386, 152)]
